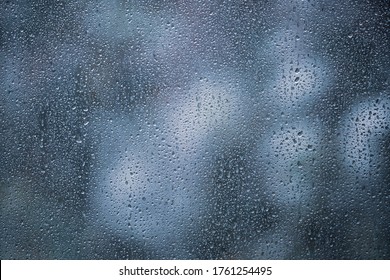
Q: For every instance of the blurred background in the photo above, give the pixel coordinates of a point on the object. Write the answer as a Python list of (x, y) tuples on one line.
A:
[(195, 129)]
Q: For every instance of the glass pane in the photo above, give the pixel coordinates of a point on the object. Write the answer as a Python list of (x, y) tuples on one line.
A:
[(194, 129)]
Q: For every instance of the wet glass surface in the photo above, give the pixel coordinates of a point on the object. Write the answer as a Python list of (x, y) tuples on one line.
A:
[(194, 129)]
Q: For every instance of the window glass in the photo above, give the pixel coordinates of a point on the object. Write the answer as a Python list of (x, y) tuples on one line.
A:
[(194, 129)]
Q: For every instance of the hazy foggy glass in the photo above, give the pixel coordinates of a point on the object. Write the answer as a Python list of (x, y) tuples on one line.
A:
[(194, 129)]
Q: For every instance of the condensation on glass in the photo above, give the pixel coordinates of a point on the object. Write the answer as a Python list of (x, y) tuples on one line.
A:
[(194, 129)]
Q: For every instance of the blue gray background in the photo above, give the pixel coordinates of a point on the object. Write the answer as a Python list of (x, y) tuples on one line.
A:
[(194, 129)]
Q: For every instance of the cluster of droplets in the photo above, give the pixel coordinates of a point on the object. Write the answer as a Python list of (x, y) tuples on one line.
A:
[(205, 129)]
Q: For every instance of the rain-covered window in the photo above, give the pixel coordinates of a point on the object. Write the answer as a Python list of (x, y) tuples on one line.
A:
[(194, 129)]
